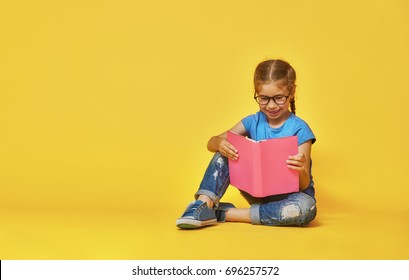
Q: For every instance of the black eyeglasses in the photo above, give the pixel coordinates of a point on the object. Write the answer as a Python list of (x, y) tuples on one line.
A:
[(264, 100)]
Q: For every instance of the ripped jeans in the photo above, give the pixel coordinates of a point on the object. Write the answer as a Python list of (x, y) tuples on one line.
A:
[(296, 209)]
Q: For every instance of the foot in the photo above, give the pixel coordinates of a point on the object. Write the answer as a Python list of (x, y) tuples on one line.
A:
[(196, 215), (222, 209)]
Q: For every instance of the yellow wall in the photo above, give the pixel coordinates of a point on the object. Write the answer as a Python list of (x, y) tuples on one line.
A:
[(109, 104)]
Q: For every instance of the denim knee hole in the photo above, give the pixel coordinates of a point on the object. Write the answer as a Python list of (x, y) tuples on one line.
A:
[(290, 211)]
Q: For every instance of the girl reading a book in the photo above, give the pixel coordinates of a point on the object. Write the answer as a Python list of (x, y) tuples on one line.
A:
[(274, 85)]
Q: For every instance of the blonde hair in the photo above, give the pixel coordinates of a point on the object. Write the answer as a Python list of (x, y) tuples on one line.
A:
[(278, 71)]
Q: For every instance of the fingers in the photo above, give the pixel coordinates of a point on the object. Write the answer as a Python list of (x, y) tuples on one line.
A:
[(231, 153), (228, 150), (297, 157), (296, 162)]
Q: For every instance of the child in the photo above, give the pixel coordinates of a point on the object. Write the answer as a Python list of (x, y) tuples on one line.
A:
[(274, 84)]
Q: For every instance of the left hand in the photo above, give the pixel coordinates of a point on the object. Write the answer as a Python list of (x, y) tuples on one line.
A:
[(296, 162)]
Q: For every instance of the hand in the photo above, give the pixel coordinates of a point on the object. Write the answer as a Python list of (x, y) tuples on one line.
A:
[(296, 162), (228, 150)]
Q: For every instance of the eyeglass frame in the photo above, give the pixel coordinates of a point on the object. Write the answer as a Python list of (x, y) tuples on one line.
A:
[(271, 98)]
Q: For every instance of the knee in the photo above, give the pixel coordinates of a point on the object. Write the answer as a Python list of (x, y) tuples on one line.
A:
[(299, 214), (310, 210), (219, 161), (292, 212), (307, 209)]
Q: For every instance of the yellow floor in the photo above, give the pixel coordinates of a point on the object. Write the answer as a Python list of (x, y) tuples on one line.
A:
[(131, 234)]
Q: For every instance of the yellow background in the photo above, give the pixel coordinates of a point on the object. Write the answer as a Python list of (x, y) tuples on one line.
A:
[(106, 108)]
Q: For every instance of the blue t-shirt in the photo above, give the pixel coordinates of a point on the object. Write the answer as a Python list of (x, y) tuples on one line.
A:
[(257, 128)]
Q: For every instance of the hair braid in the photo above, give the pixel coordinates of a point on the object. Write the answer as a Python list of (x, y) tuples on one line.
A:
[(291, 76), (292, 105)]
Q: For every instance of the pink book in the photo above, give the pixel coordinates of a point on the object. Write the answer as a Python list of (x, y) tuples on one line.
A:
[(261, 169)]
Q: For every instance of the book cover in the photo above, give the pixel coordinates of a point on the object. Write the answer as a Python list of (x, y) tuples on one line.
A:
[(261, 169)]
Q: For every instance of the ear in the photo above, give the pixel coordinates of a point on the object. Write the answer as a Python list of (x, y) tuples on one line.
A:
[(292, 93)]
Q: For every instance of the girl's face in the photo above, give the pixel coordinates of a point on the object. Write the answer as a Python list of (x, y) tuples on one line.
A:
[(275, 92)]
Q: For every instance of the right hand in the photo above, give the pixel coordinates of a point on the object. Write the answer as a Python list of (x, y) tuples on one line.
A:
[(228, 150)]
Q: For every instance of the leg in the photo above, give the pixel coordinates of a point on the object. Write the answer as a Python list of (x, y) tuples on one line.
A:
[(213, 186), (298, 209), (215, 181), (238, 215)]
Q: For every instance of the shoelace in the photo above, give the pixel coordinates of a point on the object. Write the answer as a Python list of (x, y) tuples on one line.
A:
[(193, 208)]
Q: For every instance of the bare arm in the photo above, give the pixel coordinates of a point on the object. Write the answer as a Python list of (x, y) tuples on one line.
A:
[(220, 144), (301, 162)]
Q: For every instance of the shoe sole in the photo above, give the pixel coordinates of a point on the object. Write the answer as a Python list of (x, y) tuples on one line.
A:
[(190, 224)]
